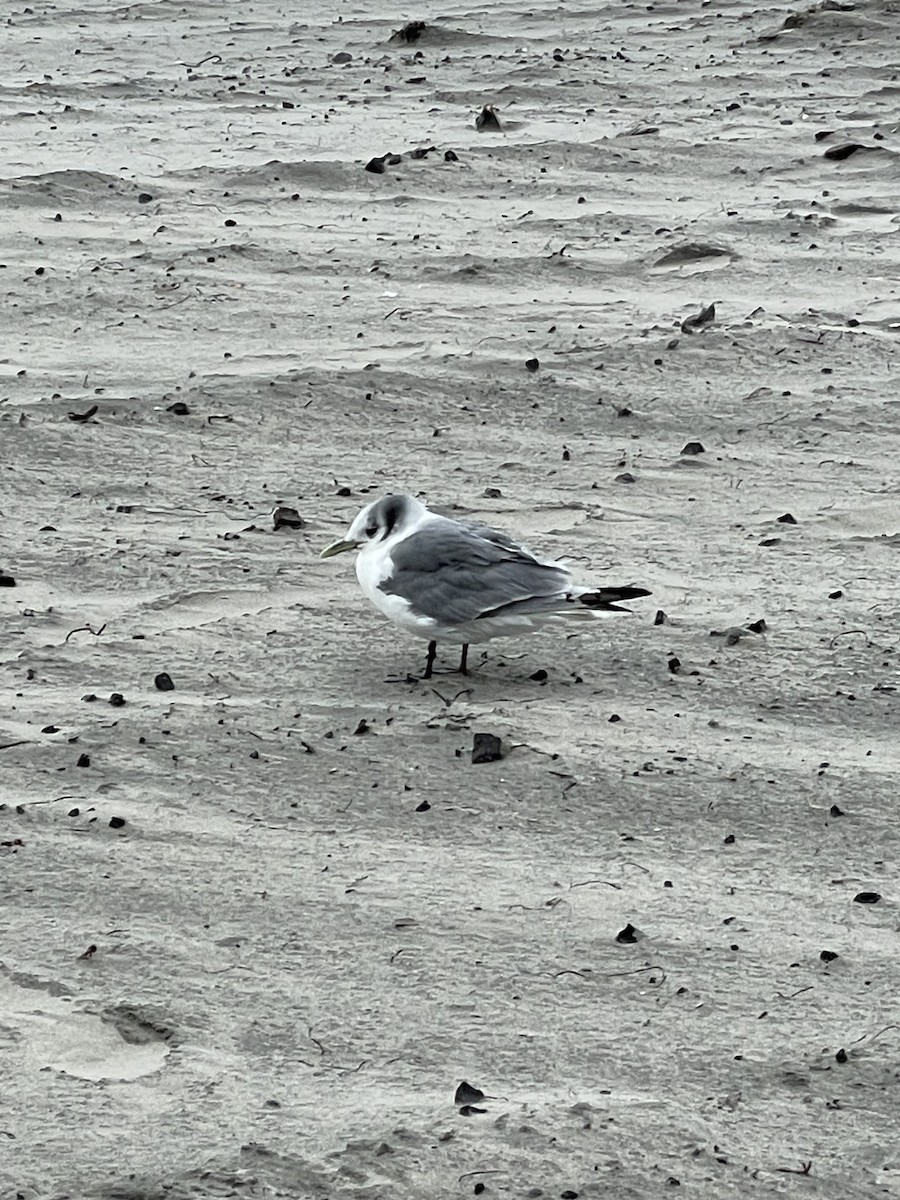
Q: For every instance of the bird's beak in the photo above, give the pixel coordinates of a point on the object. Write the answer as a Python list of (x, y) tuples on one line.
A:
[(338, 548)]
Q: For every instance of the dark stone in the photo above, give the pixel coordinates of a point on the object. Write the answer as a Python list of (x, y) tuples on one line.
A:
[(693, 448), (423, 807), (84, 760), (342, 56), (116, 822), (786, 519), (729, 839), (117, 700), (163, 682), (614, 719), (759, 626), (626, 477), (286, 518), (362, 727), (828, 956), (841, 1056), (467, 1094), (178, 409), (660, 618), (835, 811), (703, 317), (674, 665), (532, 364), (627, 936), (74, 812), (835, 595), (451, 156), (867, 897), (6, 580), (486, 748), (839, 153), (50, 729), (376, 165), (538, 676), (144, 198)]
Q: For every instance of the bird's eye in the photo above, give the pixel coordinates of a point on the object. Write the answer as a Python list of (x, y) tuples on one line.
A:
[(371, 531)]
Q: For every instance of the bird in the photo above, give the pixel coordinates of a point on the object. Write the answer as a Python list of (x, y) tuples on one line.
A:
[(462, 582)]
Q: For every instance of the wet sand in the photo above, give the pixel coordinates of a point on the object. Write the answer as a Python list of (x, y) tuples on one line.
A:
[(313, 916)]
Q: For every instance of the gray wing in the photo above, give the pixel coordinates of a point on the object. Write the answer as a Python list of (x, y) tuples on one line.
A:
[(455, 573)]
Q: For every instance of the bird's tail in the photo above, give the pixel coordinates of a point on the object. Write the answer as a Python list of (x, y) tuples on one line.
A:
[(569, 604)]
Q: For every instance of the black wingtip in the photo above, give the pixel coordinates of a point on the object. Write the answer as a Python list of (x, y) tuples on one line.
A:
[(610, 598)]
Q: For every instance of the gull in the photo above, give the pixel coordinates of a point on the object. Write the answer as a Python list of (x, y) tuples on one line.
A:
[(461, 581)]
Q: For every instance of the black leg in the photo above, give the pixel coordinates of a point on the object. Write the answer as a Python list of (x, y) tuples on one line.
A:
[(463, 660), (429, 661)]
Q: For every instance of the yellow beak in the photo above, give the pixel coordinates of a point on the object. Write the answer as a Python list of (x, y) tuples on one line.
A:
[(338, 548)]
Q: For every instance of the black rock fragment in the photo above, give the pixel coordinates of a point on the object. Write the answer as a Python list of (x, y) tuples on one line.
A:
[(116, 822), (467, 1094), (835, 595), (703, 317), (178, 409), (538, 676), (729, 839), (841, 1056), (693, 448), (6, 580), (674, 664), (627, 936), (342, 56), (839, 153), (423, 807), (486, 748), (84, 760), (532, 364), (286, 518), (835, 811), (116, 699), (828, 956), (660, 618), (362, 727), (786, 519), (867, 897), (163, 682), (451, 156), (469, 1110), (376, 165), (759, 626), (421, 152)]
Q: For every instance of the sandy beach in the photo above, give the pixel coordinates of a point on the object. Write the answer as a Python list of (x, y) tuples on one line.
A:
[(262, 915)]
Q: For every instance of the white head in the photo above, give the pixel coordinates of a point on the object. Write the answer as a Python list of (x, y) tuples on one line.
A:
[(377, 522)]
